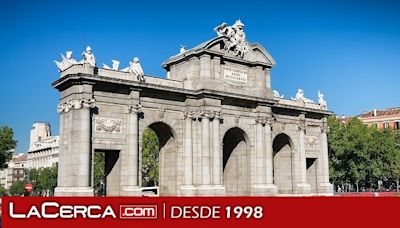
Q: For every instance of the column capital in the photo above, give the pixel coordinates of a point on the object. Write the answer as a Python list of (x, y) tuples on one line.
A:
[(324, 128), (263, 120), (210, 114), (136, 108), (76, 104), (301, 125), (187, 114)]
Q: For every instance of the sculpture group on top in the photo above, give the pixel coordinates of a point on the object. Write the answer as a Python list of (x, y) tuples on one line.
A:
[(88, 57), (302, 99), (235, 37)]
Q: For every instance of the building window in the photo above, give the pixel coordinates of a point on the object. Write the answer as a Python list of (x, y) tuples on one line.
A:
[(385, 125), (396, 125)]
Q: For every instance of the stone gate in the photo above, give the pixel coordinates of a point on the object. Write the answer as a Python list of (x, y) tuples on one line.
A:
[(222, 130)]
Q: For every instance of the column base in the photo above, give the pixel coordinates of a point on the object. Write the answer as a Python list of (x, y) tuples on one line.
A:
[(264, 190), (131, 191), (73, 191), (325, 189), (303, 189), (188, 190), (211, 190)]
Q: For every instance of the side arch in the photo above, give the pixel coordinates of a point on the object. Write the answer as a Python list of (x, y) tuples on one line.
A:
[(168, 135), (236, 162), (283, 163)]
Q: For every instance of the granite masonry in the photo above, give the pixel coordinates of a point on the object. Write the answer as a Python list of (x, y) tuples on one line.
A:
[(221, 129)]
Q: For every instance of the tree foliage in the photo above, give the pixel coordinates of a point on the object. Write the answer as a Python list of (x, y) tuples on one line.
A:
[(98, 173), (7, 145), (17, 188), (362, 155), (150, 158), (43, 179)]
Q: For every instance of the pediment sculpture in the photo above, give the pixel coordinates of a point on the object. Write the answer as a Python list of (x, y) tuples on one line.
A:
[(234, 38)]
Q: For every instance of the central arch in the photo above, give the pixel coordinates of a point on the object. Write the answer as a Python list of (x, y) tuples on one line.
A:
[(236, 162), (167, 157), (282, 162)]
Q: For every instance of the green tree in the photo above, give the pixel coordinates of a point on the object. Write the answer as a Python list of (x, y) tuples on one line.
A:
[(47, 179), (362, 155), (98, 172), (17, 188), (150, 158), (3, 191), (7, 145)]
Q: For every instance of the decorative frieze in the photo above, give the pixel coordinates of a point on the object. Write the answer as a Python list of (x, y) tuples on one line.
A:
[(76, 104), (109, 125)]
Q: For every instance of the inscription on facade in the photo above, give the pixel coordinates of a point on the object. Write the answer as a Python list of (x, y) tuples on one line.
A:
[(235, 74)]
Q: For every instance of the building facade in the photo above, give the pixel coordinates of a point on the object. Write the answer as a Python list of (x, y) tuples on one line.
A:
[(43, 147), (221, 129), (382, 119), (14, 172)]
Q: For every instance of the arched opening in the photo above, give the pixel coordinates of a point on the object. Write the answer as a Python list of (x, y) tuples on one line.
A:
[(282, 159), (159, 159), (236, 162)]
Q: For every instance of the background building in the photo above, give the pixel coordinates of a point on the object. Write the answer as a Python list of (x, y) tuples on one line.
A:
[(43, 148), (382, 119), (14, 172)]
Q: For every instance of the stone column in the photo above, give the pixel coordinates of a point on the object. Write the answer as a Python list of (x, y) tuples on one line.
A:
[(61, 159), (205, 153), (260, 158), (271, 188), (188, 188), (217, 151), (131, 185), (325, 187), (77, 181), (188, 153), (302, 187)]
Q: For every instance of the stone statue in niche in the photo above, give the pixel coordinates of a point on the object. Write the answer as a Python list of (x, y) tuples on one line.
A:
[(115, 65), (88, 57), (66, 61), (300, 97), (235, 37), (135, 68), (321, 101)]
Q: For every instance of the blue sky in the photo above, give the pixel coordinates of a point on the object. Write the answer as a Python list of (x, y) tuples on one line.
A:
[(350, 50)]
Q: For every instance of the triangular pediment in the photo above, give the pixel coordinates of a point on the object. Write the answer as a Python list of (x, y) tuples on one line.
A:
[(256, 53)]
